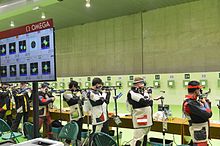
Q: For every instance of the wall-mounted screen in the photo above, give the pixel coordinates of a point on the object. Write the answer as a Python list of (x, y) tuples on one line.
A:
[(27, 53)]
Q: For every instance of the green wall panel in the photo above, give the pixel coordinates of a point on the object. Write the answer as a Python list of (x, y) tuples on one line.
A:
[(173, 38), (99, 48), (172, 35)]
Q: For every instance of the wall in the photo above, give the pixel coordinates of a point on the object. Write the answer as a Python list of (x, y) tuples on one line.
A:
[(176, 37), (173, 96), (105, 47), (181, 38)]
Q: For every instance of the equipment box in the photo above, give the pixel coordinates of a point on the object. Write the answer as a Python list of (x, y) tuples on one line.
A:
[(159, 142)]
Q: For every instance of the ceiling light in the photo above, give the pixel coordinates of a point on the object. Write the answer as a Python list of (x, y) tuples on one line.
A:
[(43, 16), (88, 3), (12, 24), (36, 8)]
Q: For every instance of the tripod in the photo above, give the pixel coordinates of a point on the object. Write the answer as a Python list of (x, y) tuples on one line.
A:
[(161, 98), (117, 120), (116, 117), (164, 120)]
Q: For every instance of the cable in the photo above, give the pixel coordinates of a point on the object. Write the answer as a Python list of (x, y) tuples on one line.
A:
[(174, 140), (126, 142), (210, 142)]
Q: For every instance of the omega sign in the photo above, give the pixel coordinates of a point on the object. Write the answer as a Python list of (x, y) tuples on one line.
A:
[(38, 26)]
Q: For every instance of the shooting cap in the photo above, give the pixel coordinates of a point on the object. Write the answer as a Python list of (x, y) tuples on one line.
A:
[(194, 85), (138, 80)]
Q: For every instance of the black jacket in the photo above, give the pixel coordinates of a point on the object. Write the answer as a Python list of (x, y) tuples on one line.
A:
[(196, 112), (21, 99), (5, 100)]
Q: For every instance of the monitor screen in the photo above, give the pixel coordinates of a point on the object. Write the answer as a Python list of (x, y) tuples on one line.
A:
[(27, 53), (166, 107)]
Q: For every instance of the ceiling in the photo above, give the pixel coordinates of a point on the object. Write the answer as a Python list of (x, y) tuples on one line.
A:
[(73, 12)]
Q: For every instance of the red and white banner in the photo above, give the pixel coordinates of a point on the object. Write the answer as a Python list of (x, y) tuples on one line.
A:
[(142, 120), (27, 29)]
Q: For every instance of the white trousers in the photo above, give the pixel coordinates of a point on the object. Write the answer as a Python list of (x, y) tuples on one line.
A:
[(139, 135)]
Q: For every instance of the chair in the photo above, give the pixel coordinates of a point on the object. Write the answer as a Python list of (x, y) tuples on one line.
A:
[(102, 139), (29, 130), (7, 133), (69, 131)]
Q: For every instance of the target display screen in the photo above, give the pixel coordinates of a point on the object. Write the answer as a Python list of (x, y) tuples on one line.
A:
[(27, 53)]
